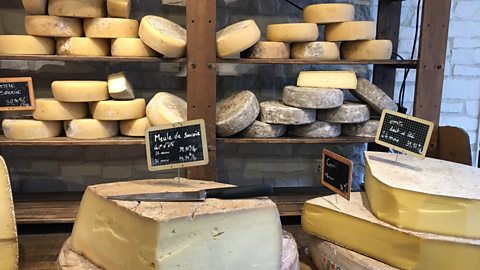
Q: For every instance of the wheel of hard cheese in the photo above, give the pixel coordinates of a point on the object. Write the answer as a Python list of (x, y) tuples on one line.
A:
[(50, 109), (317, 129), (80, 91), (328, 79), (275, 112), (365, 129), (366, 50), (90, 129), (83, 46), (328, 13), (349, 31), (77, 8), (165, 108), (312, 98), (53, 26), (22, 44), (112, 110), (135, 127), (131, 47), (164, 36), (267, 50), (260, 129), (110, 28), (236, 113), (292, 32), (373, 96), (319, 50), (237, 37), (118, 8), (345, 114), (27, 129), (35, 7)]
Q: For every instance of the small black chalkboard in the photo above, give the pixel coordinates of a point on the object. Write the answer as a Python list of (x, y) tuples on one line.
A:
[(337, 173), (176, 145), (16, 94), (404, 133)]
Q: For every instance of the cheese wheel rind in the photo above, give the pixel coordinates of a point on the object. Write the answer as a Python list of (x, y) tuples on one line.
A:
[(90, 129), (319, 50), (328, 79), (346, 114), (27, 129), (135, 127), (312, 98), (235, 113), (35, 7), (112, 110), (76, 8), (275, 112), (237, 37), (83, 46), (131, 47), (53, 26), (118, 8), (267, 50), (373, 96), (23, 44), (8, 230), (260, 129), (292, 32), (328, 13), (163, 36), (365, 129), (49, 109), (165, 108), (317, 129), (110, 28), (80, 91), (366, 50), (350, 31)]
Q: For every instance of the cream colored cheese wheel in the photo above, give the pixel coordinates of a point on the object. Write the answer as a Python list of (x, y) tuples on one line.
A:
[(164, 36), (328, 79), (131, 47), (22, 44), (268, 50), (349, 31), (292, 32), (90, 129), (35, 7), (118, 109), (237, 37), (366, 50), (83, 46), (27, 129), (118, 8), (80, 91), (165, 108), (328, 13), (110, 28), (77, 8), (53, 26), (318, 50), (135, 127), (50, 109)]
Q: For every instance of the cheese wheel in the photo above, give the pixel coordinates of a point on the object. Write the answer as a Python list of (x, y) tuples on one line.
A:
[(328, 79), (365, 129), (348, 31), (292, 32), (35, 7), (118, 8), (164, 36), (50, 109), (317, 129), (135, 127), (27, 129), (131, 47), (118, 109), (90, 129), (76, 8), (319, 50), (260, 129), (19, 44), (373, 96), (236, 112), (110, 28), (237, 37), (8, 228), (267, 50), (275, 112), (366, 50), (80, 91), (119, 87), (345, 114), (53, 26), (312, 98), (165, 108), (82, 46), (328, 13)]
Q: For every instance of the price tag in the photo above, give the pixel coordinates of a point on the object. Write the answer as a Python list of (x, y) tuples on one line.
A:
[(16, 94), (337, 173)]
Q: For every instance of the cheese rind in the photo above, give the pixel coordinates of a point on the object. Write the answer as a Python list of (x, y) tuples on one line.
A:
[(319, 50), (328, 13), (49, 109), (267, 50), (27, 129), (90, 129), (237, 37), (8, 227), (349, 31), (119, 87), (131, 47), (346, 114), (312, 97), (328, 79), (110, 28), (366, 50), (53, 26), (275, 112), (235, 113), (165, 108), (23, 44), (260, 129), (75, 8), (83, 46), (365, 129), (292, 32), (164, 36), (112, 110), (135, 127), (80, 91), (373, 96), (35, 7), (118, 8), (317, 129)]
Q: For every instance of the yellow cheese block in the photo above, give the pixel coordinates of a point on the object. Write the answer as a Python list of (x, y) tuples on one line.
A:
[(119, 86), (366, 50), (237, 37), (164, 36), (268, 50), (165, 108), (135, 127), (83, 46), (80, 91), (118, 8), (131, 47), (49, 109), (349, 31), (22, 44), (76, 8), (53, 26), (328, 13), (8, 227), (352, 225), (427, 195), (27, 129), (292, 32), (35, 7), (90, 129), (319, 50), (328, 79), (118, 109), (110, 28)]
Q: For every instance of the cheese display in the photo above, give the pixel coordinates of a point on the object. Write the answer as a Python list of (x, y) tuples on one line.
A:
[(365, 129), (27, 129), (235, 113), (165, 108), (75, 8), (317, 129), (131, 47), (267, 50), (328, 13), (35, 7), (80, 91), (275, 112), (373, 96), (23, 44), (49, 109), (53, 26), (8, 227), (352, 225), (366, 50), (164, 36), (237, 37), (119, 87), (118, 109), (347, 113), (110, 28), (118, 8), (319, 50), (260, 129), (83, 46), (349, 31), (135, 127), (292, 32), (328, 79), (312, 97), (90, 129), (426, 195)]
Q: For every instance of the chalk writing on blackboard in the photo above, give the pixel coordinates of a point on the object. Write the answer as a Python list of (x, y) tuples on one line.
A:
[(336, 173), (16, 94)]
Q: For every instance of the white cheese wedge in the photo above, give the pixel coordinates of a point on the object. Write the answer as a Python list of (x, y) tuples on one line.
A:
[(80, 91), (373, 96), (319, 50), (312, 97), (35, 7), (260, 129), (292, 32), (111, 110), (165, 108), (366, 50), (328, 13), (110, 28), (237, 37), (135, 127), (49, 109), (23, 44), (90, 129), (317, 129), (131, 47), (328, 79), (349, 31), (83, 46), (8, 227), (118, 8), (237, 112), (346, 114), (365, 129), (53, 26), (164, 36), (76, 8), (267, 50), (27, 129), (119, 87), (275, 112)]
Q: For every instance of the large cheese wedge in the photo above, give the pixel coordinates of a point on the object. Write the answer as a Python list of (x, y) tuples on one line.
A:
[(27, 129), (164, 36), (118, 8), (53, 26), (317, 129), (110, 28), (319, 50), (346, 114), (80, 91), (352, 225), (366, 50), (118, 109), (312, 97), (83, 46), (236, 112), (160, 235), (427, 195), (49, 109), (237, 37), (90, 129), (275, 112), (131, 47), (373, 96), (119, 87), (260, 129), (267, 50), (328, 13), (76, 8), (348, 31), (35, 7), (165, 108), (22, 44), (328, 79), (364, 129), (135, 127), (8, 227), (292, 32)]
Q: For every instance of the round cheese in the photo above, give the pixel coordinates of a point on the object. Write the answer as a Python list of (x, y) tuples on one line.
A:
[(83, 46), (53, 26), (237, 37), (118, 109), (27, 129), (347, 113), (135, 127), (236, 112), (165, 108), (366, 50), (373, 96), (365, 129), (50, 109), (292, 32), (317, 129), (328, 13), (110, 28), (312, 98), (267, 49), (76, 8), (319, 50), (90, 129), (260, 129), (118, 8), (131, 47), (328, 79), (35, 7), (164, 36), (348, 31), (80, 91), (20, 44), (275, 112)]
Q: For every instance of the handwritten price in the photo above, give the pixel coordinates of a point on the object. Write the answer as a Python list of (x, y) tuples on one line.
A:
[(22, 101)]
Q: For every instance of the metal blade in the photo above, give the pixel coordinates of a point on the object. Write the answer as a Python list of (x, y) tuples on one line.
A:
[(162, 196)]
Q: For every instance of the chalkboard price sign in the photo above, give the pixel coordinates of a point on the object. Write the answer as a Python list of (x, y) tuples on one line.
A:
[(176, 145), (404, 133), (16, 94), (336, 173)]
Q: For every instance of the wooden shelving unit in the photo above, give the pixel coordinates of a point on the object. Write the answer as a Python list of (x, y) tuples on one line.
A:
[(390, 63), (287, 140), (64, 58)]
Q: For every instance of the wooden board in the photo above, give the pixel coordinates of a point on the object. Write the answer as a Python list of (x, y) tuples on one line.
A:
[(388, 63), (290, 140), (64, 58), (65, 141)]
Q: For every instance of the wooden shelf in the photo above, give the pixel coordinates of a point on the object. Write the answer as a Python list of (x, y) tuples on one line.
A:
[(91, 58), (393, 63), (289, 140), (65, 141)]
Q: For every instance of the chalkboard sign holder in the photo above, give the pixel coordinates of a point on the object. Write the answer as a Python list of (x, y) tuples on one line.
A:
[(16, 94), (337, 173)]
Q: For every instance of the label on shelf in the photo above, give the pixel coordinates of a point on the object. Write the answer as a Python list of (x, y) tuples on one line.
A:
[(337, 173), (16, 94)]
